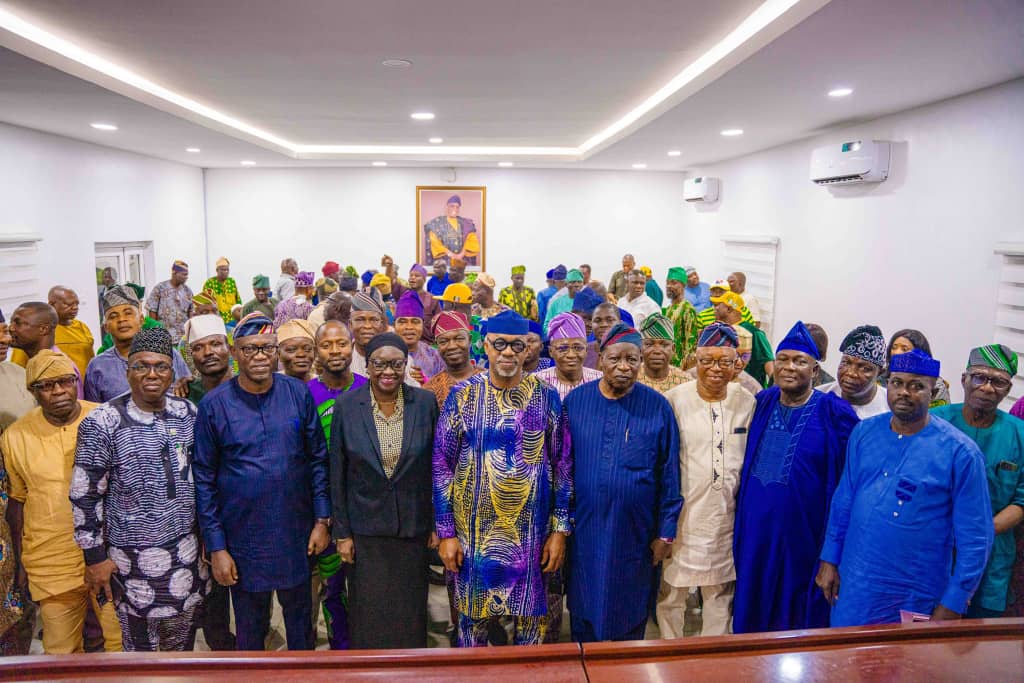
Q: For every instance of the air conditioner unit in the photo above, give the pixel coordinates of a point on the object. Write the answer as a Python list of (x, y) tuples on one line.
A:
[(860, 161), (700, 189)]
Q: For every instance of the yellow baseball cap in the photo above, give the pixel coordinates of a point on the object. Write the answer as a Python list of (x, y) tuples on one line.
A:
[(730, 299)]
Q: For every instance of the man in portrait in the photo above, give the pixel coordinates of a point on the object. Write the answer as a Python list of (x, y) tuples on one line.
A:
[(452, 236)]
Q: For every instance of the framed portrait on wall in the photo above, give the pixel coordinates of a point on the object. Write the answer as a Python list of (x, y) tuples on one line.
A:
[(451, 222)]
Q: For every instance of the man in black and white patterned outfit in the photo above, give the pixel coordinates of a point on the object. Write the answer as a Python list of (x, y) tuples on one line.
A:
[(133, 502)]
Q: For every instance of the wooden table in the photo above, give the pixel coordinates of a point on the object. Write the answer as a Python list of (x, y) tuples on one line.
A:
[(989, 651)]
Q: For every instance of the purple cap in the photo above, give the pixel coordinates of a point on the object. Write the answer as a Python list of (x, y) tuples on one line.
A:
[(305, 278), (409, 306), (567, 326), (417, 268)]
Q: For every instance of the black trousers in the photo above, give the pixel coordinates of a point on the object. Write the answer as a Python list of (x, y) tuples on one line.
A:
[(251, 622), (216, 619)]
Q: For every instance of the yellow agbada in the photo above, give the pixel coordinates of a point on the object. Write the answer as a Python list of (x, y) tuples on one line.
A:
[(76, 341), (39, 459), (471, 246)]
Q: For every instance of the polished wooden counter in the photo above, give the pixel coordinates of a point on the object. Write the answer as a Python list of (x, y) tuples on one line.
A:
[(989, 651), (543, 664)]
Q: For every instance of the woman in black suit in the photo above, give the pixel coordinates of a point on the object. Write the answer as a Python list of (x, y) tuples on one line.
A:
[(382, 441)]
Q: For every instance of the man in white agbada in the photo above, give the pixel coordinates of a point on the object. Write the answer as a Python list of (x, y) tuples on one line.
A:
[(713, 414), (636, 302)]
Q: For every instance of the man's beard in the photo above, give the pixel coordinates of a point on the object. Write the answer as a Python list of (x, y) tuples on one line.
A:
[(506, 374)]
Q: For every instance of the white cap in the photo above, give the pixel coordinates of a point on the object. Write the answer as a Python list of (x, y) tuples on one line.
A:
[(202, 326)]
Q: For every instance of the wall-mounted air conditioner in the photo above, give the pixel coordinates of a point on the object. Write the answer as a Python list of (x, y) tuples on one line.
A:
[(844, 163), (700, 189)]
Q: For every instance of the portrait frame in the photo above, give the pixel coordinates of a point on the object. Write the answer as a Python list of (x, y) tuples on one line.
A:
[(431, 207)]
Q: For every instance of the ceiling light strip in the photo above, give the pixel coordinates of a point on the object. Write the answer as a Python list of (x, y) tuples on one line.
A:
[(73, 52), (762, 17), (448, 150), (748, 28)]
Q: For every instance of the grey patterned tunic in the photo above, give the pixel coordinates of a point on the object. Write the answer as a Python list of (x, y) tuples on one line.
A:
[(133, 502)]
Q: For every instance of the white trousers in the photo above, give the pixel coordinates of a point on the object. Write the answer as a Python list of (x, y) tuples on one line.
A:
[(716, 614)]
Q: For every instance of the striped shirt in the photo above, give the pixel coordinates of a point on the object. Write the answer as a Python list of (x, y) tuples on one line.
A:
[(707, 316), (550, 375)]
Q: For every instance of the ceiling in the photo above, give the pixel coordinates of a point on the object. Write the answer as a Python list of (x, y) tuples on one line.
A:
[(531, 82)]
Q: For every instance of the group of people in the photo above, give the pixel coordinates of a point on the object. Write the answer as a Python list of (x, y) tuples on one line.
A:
[(588, 446)]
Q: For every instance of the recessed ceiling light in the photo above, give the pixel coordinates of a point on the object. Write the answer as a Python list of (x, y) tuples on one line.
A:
[(380, 163), (192, 150), (247, 162), (506, 164), (103, 126), (757, 24), (436, 141), (423, 116), (674, 153), (639, 166), (840, 92), (732, 132), (396, 63)]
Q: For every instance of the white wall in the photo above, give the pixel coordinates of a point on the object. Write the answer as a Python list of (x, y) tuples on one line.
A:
[(915, 251), (538, 218), (74, 194)]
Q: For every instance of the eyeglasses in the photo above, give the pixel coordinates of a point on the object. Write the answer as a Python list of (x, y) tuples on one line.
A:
[(517, 345), (48, 385), (724, 363), (578, 349), (146, 368), (979, 379), (398, 365), (250, 350)]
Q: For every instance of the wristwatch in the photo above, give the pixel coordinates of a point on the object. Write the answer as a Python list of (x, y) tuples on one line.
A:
[(326, 521)]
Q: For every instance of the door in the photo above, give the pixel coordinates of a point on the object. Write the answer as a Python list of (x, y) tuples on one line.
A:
[(121, 263)]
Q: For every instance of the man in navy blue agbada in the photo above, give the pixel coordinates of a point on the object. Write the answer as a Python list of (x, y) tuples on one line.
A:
[(795, 454), (262, 488), (911, 522), (625, 445)]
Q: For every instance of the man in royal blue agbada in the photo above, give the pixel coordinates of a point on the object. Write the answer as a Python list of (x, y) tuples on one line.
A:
[(913, 488)]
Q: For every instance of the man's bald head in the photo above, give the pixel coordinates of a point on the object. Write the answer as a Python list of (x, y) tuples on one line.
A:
[(330, 328), (38, 312), (32, 327), (64, 301)]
